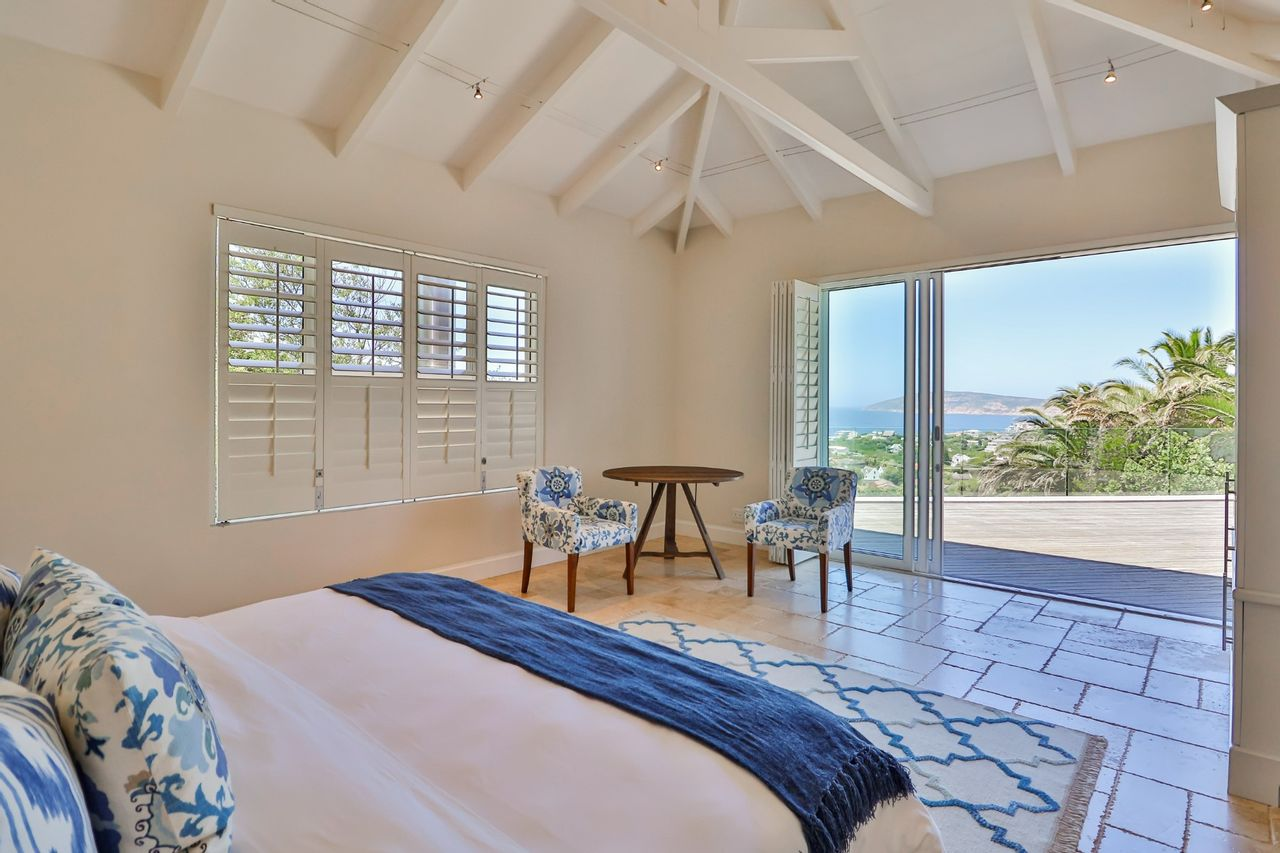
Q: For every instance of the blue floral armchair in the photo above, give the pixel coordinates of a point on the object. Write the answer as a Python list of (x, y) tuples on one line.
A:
[(816, 514), (555, 515)]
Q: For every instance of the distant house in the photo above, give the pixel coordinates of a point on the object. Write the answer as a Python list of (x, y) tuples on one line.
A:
[(959, 460), (895, 448)]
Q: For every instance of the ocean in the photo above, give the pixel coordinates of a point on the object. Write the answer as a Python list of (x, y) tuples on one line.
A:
[(864, 420)]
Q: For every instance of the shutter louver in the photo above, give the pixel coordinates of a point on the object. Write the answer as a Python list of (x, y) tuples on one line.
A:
[(807, 378), (511, 334), (268, 394), (511, 414)]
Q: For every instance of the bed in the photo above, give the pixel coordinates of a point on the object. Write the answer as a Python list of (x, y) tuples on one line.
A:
[(334, 744)]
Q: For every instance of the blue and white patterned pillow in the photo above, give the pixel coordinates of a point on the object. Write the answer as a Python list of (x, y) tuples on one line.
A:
[(137, 723), (41, 805), (9, 583)]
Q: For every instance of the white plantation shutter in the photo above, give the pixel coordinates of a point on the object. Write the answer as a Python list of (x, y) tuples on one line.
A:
[(268, 390), (794, 383), (512, 391), (364, 413), (350, 374), (446, 459)]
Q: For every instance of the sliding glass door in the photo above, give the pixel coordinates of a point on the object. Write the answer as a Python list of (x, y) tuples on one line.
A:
[(882, 371)]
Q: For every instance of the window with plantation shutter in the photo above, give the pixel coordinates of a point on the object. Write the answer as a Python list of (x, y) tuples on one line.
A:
[(354, 372), (446, 392), (807, 376), (269, 397)]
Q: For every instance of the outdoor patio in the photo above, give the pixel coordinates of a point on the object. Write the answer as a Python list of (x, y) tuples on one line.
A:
[(1155, 553)]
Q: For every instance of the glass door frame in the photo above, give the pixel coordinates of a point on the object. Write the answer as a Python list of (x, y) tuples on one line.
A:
[(922, 440)]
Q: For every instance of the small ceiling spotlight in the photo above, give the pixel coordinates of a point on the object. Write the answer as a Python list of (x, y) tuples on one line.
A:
[(657, 167), (477, 94), (1111, 73), (1206, 6)]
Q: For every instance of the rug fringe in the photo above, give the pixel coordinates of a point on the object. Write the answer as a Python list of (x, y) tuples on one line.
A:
[(1066, 836)]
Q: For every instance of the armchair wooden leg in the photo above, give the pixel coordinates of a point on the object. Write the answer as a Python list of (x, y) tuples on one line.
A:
[(573, 578), (791, 562), (848, 565), (822, 572), (631, 568), (751, 569), (528, 567)]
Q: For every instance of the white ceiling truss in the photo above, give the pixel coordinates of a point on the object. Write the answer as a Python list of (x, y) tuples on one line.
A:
[(748, 105)]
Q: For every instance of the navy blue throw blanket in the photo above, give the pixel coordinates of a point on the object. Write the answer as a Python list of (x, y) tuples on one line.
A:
[(827, 773)]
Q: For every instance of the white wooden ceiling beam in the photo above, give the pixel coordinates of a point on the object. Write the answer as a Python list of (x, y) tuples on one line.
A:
[(668, 30), (766, 44), (195, 39), (715, 210), (631, 140), (707, 121), (877, 92), (1165, 22), (804, 194), (422, 25), (1037, 46), (495, 138), (661, 207)]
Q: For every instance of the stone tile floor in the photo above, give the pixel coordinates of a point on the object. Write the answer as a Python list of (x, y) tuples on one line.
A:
[(1157, 689)]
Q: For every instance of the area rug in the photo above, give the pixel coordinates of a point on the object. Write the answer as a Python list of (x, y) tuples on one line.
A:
[(992, 780)]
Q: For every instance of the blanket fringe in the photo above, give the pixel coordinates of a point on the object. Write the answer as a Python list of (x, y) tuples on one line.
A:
[(866, 780)]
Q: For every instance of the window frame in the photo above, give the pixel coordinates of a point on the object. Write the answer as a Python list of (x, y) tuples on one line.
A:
[(414, 256)]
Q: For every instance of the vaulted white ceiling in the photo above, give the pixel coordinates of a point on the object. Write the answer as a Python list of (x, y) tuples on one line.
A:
[(580, 111)]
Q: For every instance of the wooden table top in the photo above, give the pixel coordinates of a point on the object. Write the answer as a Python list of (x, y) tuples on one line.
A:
[(673, 474)]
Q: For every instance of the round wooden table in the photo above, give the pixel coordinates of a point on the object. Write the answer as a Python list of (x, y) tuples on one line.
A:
[(666, 478)]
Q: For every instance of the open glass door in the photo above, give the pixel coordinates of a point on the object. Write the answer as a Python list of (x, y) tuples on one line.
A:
[(881, 370)]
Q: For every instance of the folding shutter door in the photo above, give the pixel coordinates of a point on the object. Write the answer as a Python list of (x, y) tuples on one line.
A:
[(511, 409), (268, 393), (364, 412), (446, 395), (794, 384)]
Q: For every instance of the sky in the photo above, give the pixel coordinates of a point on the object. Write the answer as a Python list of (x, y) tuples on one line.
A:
[(1028, 329)]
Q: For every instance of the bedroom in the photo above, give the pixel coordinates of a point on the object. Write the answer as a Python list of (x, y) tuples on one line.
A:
[(137, 133)]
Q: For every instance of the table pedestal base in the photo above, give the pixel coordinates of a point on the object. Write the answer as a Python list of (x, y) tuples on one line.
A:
[(669, 550)]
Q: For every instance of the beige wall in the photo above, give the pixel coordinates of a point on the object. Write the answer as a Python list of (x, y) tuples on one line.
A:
[(106, 333), (1136, 187)]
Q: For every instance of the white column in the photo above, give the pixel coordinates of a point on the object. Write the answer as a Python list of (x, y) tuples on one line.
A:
[(1249, 139)]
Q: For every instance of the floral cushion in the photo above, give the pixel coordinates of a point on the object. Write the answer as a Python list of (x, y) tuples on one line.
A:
[(820, 488), (9, 583), (139, 729), (41, 805), (557, 486)]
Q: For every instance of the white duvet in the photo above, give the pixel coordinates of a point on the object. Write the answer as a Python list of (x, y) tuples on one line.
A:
[(349, 728)]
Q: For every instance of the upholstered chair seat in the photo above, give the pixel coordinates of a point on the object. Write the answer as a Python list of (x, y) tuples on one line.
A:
[(816, 514), (555, 515)]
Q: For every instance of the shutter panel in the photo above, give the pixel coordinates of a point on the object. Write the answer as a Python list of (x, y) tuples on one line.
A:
[(365, 391), (794, 384), (511, 413), (446, 398), (268, 389)]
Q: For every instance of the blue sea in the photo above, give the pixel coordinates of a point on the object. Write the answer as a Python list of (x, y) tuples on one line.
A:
[(863, 420)]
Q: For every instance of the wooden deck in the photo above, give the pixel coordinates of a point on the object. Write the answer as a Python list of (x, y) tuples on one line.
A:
[(1155, 554)]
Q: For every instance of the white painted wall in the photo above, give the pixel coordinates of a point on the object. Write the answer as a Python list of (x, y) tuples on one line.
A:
[(1255, 738), (106, 333), (1120, 190)]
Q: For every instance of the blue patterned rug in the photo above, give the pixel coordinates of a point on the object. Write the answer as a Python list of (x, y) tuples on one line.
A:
[(992, 780)]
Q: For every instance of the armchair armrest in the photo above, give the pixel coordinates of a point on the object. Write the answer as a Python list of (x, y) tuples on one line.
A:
[(623, 512), (758, 513), (550, 526), (836, 525)]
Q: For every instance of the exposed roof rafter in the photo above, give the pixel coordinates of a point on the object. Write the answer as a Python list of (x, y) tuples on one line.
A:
[(637, 133), (191, 49), (715, 210), (709, 103), (422, 25), (658, 210), (1231, 47), (1037, 45), (808, 199), (668, 30), (877, 92), (495, 138)]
